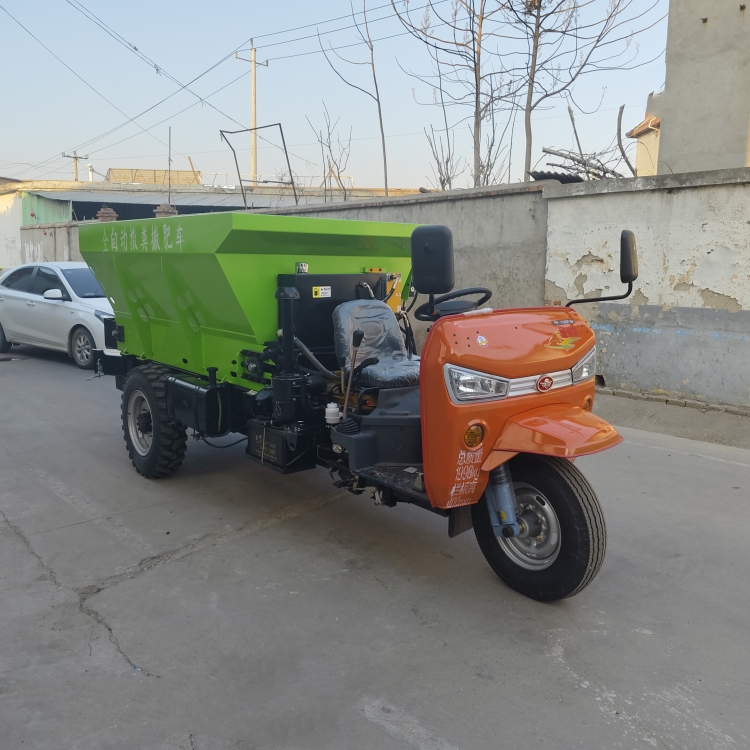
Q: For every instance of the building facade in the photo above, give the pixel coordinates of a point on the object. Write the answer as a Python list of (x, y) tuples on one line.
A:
[(705, 107)]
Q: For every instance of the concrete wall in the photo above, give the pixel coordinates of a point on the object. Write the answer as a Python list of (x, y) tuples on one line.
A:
[(686, 330), (10, 221), (647, 153), (50, 242), (705, 107), (499, 234)]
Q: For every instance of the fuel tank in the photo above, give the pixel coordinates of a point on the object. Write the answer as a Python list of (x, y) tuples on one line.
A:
[(534, 350)]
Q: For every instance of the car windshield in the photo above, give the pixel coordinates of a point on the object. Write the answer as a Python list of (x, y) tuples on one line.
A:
[(84, 282)]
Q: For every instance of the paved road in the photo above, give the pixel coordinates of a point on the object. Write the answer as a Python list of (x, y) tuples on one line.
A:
[(230, 607)]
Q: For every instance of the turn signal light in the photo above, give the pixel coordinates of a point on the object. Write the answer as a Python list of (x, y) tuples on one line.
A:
[(588, 403), (474, 436)]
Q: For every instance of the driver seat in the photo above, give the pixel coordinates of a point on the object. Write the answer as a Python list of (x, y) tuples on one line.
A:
[(383, 339)]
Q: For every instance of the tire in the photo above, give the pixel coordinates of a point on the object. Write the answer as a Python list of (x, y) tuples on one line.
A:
[(82, 348), (156, 445), (556, 491), (5, 345)]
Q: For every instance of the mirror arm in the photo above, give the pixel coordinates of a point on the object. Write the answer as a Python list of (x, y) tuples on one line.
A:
[(602, 299), (432, 304)]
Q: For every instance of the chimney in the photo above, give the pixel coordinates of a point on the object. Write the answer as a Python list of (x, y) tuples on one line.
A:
[(105, 213), (165, 210)]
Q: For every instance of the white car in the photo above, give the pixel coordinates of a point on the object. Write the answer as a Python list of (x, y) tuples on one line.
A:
[(56, 306)]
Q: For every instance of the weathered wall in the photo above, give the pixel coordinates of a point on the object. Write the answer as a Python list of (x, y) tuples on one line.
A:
[(50, 242), (499, 234), (686, 330), (10, 221), (704, 108), (40, 210)]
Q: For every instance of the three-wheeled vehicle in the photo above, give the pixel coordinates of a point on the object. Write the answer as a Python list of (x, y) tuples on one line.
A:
[(296, 334)]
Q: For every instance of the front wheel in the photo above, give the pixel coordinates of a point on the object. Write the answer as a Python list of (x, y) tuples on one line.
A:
[(82, 348), (561, 548), (5, 345)]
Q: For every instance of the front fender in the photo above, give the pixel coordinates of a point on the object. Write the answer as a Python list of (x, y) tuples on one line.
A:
[(556, 430)]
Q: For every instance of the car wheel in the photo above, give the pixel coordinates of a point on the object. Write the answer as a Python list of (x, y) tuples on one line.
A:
[(82, 348), (5, 345)]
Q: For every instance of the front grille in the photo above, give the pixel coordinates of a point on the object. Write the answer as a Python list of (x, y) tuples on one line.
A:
[(526, 386)]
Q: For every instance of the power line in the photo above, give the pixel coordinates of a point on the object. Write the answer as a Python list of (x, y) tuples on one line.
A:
[(80, 78), (343, 46), (120, 39)]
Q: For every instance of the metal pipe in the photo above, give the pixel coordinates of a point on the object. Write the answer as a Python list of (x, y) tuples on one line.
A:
[(357, 337), (287, 295)]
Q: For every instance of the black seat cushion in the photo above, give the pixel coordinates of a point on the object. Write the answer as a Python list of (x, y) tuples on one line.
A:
[(382, 339)]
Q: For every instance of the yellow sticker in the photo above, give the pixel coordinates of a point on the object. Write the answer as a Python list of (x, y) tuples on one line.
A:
[(321, 291)]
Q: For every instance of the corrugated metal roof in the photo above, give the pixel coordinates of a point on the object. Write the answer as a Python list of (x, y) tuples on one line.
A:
[(154, 198)]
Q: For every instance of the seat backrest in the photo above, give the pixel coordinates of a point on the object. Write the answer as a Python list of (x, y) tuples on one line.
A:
[(382, 338)]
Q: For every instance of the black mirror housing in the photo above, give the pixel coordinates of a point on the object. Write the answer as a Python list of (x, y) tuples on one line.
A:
[(432, 259), (628, 257)]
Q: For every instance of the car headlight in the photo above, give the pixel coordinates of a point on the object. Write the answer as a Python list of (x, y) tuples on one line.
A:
[(586, 368), (101, 315), (468, 385)]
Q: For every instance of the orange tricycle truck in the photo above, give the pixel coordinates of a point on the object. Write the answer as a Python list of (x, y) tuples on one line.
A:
[(294, 334)]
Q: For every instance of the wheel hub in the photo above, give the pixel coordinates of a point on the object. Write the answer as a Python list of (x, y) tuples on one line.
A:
[(143, 421), (538, 544), (140, 423)]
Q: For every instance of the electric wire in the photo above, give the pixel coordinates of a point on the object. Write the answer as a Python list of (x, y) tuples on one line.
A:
[(81, 78), (182, 87)]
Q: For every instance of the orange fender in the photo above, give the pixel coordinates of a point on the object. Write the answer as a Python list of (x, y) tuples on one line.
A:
[(555, 430)]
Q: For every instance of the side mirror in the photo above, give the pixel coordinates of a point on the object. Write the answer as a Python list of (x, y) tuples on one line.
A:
[(54, 294), (432, 259), (628, 257)]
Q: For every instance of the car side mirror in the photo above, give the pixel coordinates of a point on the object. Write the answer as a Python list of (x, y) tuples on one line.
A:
[(432, 259), (628, 257), (54, 294)]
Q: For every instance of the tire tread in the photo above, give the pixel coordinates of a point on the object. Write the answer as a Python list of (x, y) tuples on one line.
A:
[(173, 443)]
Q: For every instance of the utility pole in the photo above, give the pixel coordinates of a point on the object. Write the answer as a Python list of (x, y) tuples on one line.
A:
[(169, 167), (74, 156), (253, 112)]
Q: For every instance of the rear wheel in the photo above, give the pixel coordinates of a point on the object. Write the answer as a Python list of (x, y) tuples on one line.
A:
[(564, 536), (5, 345), (156, 445), (82, 348)]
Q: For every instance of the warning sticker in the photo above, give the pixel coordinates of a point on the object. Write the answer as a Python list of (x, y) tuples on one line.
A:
[(321, 291)]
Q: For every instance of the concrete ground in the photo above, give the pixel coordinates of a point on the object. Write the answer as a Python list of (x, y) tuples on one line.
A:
[(230, 607)]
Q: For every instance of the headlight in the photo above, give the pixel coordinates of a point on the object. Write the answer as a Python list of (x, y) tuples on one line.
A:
[(101, 315), (468, 385), (586, 368)]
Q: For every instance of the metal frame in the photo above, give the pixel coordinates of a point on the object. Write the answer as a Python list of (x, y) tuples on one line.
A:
[(225, 133)]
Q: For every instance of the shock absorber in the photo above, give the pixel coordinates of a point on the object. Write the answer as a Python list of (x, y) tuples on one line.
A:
[(501, 502)]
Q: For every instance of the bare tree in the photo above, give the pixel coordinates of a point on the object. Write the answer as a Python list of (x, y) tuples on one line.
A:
[(335, 153), (446, 166), (468, 68), (363, 29), (558, 41)]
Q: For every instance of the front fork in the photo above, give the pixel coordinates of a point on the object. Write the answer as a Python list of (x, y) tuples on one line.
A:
[(501, 502)]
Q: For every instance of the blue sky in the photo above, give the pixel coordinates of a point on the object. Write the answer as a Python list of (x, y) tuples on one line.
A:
[(46, 109)]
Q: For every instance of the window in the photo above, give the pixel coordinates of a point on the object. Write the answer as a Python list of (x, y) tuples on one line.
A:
[(19, 280), (83, 282), (45, 280)]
